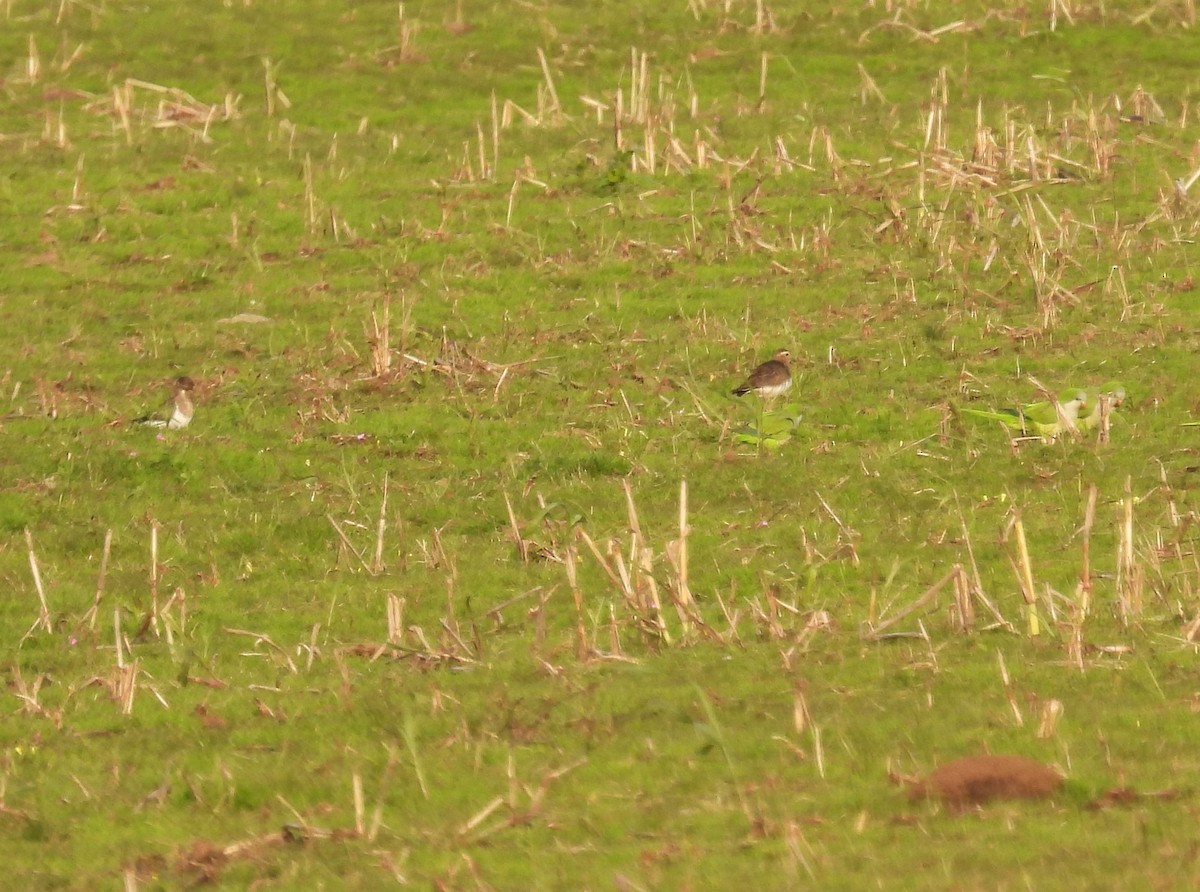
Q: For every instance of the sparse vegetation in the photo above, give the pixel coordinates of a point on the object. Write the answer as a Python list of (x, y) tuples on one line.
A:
[(468, 572)]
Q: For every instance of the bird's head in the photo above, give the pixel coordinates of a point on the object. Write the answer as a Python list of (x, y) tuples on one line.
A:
[(1115, 391), (1078, 397)]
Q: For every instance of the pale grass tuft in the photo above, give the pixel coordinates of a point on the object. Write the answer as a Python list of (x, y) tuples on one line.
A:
[(1052, 711), (378, 339), (799, 850), (395, 618), (279, 655), (124, 686), (515, 529), (346, 546), (1023, 569), (800, 715), (43, 621), (553, 108), (962, 613), (1083, 595), (377, 565), (1011, 697), (846, 536), (152, 618), (867, 87), (1130, 573), (33, 62), (874, 630), (310, 197), (582, 650), (29, 693), (89, 618)]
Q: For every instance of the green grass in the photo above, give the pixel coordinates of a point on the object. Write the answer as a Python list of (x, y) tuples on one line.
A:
[(565, 318)]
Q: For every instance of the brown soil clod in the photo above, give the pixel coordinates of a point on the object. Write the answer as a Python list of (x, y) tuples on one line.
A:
[(974, 780)]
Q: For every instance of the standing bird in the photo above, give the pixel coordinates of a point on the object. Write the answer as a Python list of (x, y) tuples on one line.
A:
[(182, 410), (771, 379)]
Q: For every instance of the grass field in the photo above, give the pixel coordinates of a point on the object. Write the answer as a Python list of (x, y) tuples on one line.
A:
[(470, 573)]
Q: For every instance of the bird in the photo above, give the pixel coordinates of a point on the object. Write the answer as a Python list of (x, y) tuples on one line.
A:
[(1113, 392), (181, 410), (1046, 419), (771, 379)]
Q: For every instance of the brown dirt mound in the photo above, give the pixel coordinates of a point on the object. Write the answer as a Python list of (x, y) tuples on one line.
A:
[(977, 779)]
